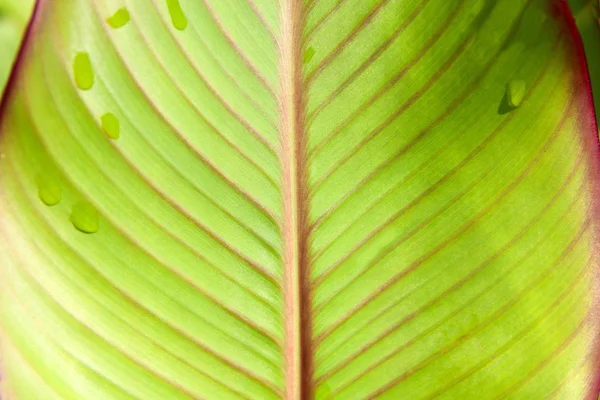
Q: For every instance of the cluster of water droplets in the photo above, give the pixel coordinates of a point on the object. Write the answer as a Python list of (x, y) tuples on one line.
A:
[(84, 215)]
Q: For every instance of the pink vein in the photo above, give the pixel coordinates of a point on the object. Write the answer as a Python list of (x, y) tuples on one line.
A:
[(223, 102), (260, 137), (188, 145), (472, 275), (335, 52), (457, 234), (439, 73), (324, 19), (493, 318), (129, 299), (261, 17), (381, 50), (235, 47), (374, 133), (200, 257)]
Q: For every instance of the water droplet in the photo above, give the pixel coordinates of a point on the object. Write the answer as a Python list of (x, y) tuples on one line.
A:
[(177, 16), (84, 217), (119, 19), (49, 190), (515, 92), (308, 55), (82, 69), (111, 125)]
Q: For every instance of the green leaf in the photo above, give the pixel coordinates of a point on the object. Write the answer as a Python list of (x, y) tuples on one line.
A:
[(326, 199)]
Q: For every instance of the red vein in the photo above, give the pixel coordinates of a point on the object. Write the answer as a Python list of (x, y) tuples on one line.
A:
[(574, 242), (64, 351), (335, 52), (298, 323), (258, 136), (263, 21), (462, 282), (220, 99), (551, 358), (212, 235), (172, 270), (324, 19), (382, 167), (125, 352), (388, 121), (225, 361), (238, 51), (238, 117), (448, 111), (176, 273), (507, 346), (184, 140), (455, 235), (233, 79), (182, 211), (379, 51)]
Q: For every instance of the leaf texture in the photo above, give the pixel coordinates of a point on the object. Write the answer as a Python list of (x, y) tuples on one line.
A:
[(328, 199)]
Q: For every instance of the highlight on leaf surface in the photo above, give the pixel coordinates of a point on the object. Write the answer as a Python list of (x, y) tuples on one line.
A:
[(356, 199)]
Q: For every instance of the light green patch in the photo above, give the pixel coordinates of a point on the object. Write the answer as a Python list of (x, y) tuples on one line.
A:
[(177, 16), (83, 72), (308, 55), (119, 19), (111, 125), (515, 92), (49, 190), (84, 217)]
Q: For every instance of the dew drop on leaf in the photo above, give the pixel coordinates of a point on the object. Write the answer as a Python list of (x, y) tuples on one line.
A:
[(308, 55), (82, 69), (84, 217), (111, 125), (177, 16), (118, 19), (515, 92), (49, 190)]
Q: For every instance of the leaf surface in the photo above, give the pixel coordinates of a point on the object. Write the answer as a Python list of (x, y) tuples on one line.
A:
[(262, 199)]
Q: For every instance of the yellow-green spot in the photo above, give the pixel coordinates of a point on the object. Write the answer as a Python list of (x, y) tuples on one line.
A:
[(111, 125), (84, 217), (49, 190), (177, 16), (515, 92), (82, 69), (308, 55), (118, 19)]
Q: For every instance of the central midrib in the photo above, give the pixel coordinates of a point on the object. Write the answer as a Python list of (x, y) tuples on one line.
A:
[(298, 329)]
